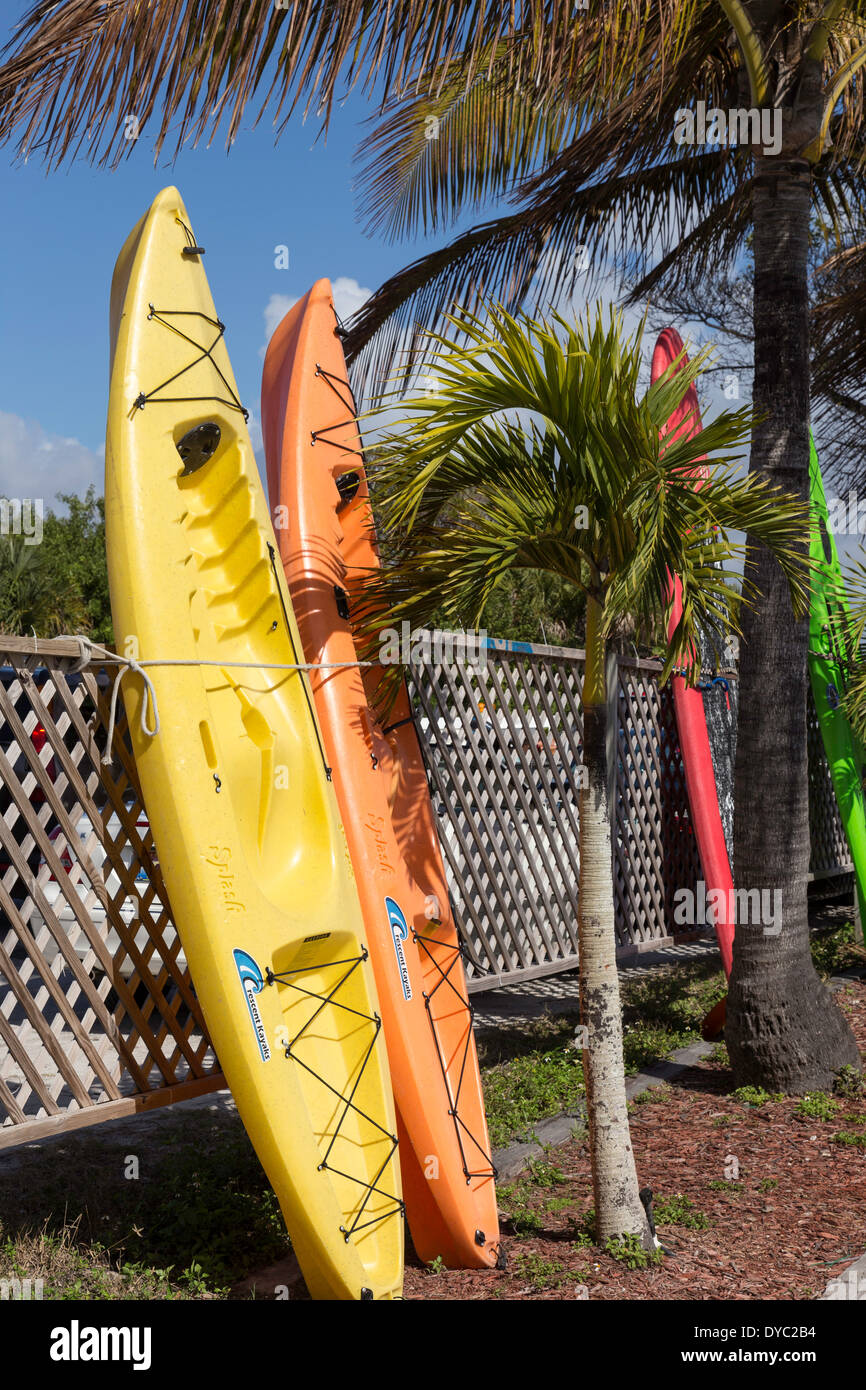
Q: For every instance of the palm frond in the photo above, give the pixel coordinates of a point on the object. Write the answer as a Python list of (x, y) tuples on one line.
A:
[(540, 253), (77, 68), (430, 155), (537, 421)]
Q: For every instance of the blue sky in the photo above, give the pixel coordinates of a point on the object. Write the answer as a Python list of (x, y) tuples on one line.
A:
[(60, 235)]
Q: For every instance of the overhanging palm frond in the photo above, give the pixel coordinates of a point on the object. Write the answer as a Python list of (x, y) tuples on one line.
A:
[(429, 156), (543, 251), (78, 68), (493, 130), (637, 126), (852, 597), (839, 321)]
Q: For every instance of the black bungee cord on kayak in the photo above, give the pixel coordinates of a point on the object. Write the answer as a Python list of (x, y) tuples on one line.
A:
[(398, 724), (460, 1128), (350, 406), (234, 404), (283, 978), (162, 316)]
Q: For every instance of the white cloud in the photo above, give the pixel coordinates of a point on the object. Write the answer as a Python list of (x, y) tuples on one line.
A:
[(348, 298), (275, 311), (43, 464)]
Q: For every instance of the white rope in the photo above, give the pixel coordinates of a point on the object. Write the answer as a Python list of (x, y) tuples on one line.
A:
[(90, 651)]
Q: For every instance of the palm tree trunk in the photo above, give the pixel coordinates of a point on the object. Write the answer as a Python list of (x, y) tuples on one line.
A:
[(783, 1030), (618, 1208)]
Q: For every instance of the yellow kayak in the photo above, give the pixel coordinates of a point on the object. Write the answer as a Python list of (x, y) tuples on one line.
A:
[(237, 791)]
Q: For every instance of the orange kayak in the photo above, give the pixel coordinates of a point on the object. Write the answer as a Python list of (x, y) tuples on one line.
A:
[(324, 526)]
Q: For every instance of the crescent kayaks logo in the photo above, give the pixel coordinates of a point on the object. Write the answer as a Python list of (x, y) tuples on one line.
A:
[(399, 933), (253, 982)]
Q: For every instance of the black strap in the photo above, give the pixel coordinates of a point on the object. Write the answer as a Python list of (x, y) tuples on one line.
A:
[(460, 1127), (398, 723), (163, 316), (334, 382), (348, 1101)]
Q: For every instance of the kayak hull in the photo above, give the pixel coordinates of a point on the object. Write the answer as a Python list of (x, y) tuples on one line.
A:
[(245, 821), (829, 625), (691, 714), (327, 543)]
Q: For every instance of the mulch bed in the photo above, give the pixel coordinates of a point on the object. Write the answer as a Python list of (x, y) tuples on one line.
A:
[(763, 1241)]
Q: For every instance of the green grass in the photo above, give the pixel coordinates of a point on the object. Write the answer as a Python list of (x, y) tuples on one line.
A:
[(536, 1073), (199, 1218), (557, 1204), (530, 1088), (678, 1210), (515, 1203), (525, 1203), (677, 1001), (545, 1174), (654, 1095), (817, 1105)]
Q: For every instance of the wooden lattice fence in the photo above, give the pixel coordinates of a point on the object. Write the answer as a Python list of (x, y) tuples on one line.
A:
[(503, 742), (98, 1016), (830, 853)]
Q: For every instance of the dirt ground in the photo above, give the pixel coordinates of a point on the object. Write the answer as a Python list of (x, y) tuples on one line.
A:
[(775, 1201)]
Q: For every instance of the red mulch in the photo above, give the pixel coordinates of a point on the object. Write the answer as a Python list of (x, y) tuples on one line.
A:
[(785, 1242)]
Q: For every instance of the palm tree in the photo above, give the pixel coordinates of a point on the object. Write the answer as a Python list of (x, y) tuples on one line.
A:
[(572, 113), (35, 597), (535, 424)]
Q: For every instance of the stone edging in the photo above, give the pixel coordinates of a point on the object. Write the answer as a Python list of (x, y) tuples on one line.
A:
[(510, 1162)]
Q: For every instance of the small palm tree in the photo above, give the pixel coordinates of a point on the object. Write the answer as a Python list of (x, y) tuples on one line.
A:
[(535, 452)]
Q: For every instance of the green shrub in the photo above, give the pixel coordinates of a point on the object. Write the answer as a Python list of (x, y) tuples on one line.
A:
[(678, 1210), (850, 1139), (628, 1250), (817, 1105), (850, 1082), (541, 1273), (755, 1095)]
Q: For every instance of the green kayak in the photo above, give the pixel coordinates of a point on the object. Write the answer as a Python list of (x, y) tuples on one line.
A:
[(829, 658)]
